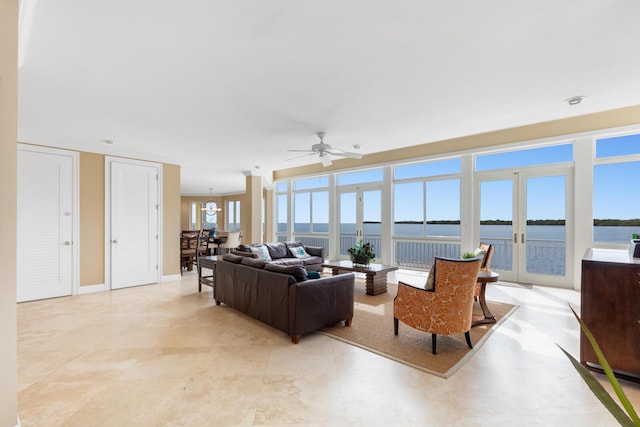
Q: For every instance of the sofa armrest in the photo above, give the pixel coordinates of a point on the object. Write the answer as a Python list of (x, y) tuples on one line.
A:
[(315, 251), (317, 303)]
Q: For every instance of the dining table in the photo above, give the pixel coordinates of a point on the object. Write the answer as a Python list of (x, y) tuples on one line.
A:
[(216, 240)]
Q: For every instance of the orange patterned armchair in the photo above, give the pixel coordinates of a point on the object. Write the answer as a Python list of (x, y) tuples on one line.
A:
[(446, 309)]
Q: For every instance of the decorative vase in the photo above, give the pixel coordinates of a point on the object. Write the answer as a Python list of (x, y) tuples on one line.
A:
[(360, 259)]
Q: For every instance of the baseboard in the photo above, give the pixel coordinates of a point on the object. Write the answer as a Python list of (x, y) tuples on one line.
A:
[(171, 278), (18, 421), (89, 289)]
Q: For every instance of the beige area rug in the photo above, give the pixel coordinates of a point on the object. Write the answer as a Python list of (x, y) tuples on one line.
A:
[(372, 329)]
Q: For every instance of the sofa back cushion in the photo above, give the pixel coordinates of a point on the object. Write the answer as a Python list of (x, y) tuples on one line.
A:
[(232, 258), (252, 262), (277, 250), (297, 271)]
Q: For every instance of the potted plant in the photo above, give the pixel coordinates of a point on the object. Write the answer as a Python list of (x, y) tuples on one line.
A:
[(361, 253)]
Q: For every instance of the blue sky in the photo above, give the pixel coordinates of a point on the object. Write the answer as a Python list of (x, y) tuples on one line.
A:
[(614, 186)]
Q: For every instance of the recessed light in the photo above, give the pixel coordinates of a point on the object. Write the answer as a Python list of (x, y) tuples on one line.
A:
[(356, 146), (108, 141), (574, 100)]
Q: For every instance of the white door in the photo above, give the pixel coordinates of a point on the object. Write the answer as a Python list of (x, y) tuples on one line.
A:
[(360, 211), (45, 224), (132, 202), (524, 215)]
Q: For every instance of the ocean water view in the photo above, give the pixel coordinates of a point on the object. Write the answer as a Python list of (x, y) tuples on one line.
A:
[(545, 244), (603, 234)]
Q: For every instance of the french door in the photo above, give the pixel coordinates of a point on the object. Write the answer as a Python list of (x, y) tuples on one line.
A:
[(360, 213), (525, 214)]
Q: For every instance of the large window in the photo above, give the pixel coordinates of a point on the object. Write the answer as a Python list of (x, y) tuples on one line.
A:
[(233, 215), (616, 173), (282, 207), (311, 205), (522, 158), (427, 199)]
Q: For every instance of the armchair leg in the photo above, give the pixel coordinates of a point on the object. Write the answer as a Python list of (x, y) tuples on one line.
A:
[(467, 335), (395, 326), (434, 338)]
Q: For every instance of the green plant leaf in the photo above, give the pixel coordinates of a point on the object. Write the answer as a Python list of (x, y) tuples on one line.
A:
[(600, 392), (608, 371)]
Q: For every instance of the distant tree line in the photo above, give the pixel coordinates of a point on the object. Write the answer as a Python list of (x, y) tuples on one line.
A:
[(617, 222), (596, 222)]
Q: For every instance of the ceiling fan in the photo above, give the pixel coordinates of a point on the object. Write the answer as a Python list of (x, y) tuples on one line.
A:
[(324, 150)]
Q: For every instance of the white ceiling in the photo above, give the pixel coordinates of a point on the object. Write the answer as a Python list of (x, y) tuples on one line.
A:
[(220, 87)]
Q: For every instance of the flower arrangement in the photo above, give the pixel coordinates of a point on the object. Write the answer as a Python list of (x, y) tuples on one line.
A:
[(361, 253)]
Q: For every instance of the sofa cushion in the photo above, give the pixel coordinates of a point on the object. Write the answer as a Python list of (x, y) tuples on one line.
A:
[(260, 252), (277, 250), (312, 260), (287, 261), (299, 252), (232, 258), (252, 262), (297, 271)]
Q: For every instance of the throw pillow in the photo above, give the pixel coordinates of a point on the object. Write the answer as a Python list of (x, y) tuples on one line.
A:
[(313, 275), (299, 252), (260, 252)]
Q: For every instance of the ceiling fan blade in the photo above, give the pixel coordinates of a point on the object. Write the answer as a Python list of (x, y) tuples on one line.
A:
[(326, 161), (346, 154), (302, 151), (302, 155)]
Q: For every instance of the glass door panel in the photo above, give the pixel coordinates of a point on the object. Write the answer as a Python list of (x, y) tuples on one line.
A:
[(372, 219), (496, 221), (544, 237), (360, 218), (348, 226)]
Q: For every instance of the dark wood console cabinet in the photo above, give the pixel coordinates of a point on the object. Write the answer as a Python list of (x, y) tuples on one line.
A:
[(610, 307)]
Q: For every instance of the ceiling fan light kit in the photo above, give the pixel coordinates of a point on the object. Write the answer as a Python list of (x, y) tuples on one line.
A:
[(324, 150)]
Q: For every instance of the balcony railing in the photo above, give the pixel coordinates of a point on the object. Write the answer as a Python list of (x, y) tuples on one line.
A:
[(544, 256), (420, 253)]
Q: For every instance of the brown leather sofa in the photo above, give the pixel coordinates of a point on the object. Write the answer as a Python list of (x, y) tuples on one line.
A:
[(270, 293), (281, 253)]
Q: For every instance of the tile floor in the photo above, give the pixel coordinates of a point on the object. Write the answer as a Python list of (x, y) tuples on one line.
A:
[(167, 355)]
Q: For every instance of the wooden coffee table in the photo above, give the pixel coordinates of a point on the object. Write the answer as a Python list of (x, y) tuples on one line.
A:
[(376, 274)]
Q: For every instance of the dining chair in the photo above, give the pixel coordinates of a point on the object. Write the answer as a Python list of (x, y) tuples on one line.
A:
[(233, 240), (447, 309), (203, 242), (189, 240)]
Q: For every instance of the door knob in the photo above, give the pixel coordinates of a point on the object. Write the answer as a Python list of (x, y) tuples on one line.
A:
[(67, 243), (114, 241)]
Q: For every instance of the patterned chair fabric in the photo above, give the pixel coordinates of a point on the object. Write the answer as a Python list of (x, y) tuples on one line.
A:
[(445, 310)]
